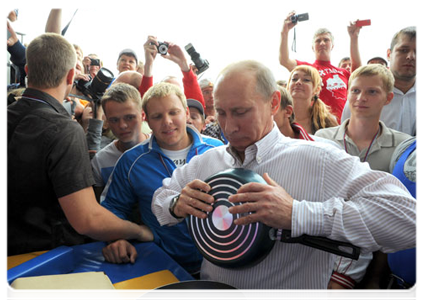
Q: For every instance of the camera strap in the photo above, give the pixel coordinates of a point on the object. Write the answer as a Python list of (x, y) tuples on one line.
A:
[(67, 26), (294, 41)]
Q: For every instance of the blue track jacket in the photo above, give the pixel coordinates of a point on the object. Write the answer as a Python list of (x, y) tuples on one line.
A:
[(138, 173)]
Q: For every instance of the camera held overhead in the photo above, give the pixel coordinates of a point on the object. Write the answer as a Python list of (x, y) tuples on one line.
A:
[(200, 64)]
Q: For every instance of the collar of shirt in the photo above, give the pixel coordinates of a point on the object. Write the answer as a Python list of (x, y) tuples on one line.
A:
[(385, 138), (197, 140), (257, 151), (302, 134), (410, 91), (50, 100), (323, 62)]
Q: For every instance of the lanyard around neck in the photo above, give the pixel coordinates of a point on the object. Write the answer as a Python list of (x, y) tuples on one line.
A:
[(164, 164), (38, 100), (368, 149)]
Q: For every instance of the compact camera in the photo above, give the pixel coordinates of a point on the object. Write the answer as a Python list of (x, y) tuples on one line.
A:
[(95, 62), (200, 64), (299, 18), (162, 48)]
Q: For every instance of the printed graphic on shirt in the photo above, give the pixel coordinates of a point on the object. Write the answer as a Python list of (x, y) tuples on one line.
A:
[(180, 162), (324, 72), (179, 157), (335, 83)]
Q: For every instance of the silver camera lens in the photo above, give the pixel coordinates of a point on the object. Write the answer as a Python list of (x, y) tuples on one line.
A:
[(162, 48)]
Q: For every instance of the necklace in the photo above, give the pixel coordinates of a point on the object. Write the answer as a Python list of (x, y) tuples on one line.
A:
[(164, 164), (368, 149)]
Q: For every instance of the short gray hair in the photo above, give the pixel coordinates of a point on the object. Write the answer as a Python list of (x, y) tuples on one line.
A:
[(321, 31), (265, 81)]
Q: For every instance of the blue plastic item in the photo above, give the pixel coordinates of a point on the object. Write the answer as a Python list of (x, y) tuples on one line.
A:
[(56, 261), (89, 258)]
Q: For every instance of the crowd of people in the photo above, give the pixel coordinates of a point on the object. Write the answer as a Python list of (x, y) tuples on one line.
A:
[(128, 161)]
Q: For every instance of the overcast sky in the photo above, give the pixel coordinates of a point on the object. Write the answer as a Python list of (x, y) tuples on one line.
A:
[(221, 31)]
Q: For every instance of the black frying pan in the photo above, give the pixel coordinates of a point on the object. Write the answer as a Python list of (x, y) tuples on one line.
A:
[(198, 290), (227, 245)]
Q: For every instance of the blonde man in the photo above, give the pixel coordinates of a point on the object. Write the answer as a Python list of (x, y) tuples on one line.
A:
[(364, 134), (141, 170)]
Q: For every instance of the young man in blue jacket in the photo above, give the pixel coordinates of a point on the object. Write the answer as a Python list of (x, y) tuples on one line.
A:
[(141, 170)]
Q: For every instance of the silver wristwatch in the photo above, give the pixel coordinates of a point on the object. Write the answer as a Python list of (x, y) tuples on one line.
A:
[(172, 206)]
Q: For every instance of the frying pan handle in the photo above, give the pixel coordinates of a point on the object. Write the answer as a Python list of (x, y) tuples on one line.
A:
[(322, 243)]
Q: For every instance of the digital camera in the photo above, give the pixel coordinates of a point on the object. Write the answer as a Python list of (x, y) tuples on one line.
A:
[(95, 62), (299, 18), (95, 88), (200, 64), (162, 48)]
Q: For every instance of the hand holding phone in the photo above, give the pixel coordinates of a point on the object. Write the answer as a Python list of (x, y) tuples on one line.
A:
[(361, 23)]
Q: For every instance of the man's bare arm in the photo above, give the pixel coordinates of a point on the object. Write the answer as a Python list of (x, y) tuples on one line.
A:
[(89, 218), (54, 21), (284, 58), (353, 32)]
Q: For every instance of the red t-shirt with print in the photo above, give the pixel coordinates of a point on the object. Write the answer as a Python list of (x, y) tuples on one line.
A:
[(335, 85)]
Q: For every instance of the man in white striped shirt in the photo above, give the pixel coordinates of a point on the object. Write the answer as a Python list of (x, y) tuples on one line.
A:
[(312, 189)]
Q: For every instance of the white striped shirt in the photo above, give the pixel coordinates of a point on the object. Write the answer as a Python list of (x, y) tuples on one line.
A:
[(336, 196)]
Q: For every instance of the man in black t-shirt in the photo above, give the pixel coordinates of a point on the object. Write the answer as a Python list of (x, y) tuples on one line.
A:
[(50, 196)]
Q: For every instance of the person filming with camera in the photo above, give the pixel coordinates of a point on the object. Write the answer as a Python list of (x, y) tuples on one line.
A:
[(92, 64), (174, 53)]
